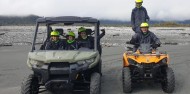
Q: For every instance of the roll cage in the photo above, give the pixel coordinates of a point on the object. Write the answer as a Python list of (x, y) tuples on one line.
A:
[(67, 20)]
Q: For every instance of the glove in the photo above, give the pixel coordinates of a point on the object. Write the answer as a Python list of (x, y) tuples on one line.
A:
[(103, 30), (128, 42), (133, 28), (155, 46), (158, 45)]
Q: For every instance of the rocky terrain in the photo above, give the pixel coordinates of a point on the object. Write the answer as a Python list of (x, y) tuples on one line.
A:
[(15, 42)]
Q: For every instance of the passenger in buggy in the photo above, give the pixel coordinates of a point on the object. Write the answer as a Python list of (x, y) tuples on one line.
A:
[(71, 43), (85, 38)]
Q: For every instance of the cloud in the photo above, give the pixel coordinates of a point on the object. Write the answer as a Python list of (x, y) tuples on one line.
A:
[(104, 9)]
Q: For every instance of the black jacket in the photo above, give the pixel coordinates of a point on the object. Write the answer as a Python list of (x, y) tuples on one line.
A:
[(88, 42), (51, 45), (140, 38), (138, 16)]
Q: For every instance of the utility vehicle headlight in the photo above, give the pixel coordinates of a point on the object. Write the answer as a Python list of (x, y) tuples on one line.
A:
[(36, 63), (81, 62), (88, 61)]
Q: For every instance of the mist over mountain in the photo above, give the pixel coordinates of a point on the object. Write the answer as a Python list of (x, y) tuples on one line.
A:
[(31, 19)]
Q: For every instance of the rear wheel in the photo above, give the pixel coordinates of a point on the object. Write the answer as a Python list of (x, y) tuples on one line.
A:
[(95, 83), (30, 85), (127, 84), (168, 84)]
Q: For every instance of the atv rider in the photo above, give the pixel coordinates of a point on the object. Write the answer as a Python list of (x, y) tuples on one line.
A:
[(145, 37), (88, 41), (55, 43), (71, 43), (138, 15)]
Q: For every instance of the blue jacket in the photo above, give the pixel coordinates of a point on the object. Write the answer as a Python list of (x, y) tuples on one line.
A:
[(138, 16), (140, 38)]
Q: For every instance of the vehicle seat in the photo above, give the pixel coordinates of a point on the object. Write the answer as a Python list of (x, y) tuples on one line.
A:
[(60, 30), (89, 32)]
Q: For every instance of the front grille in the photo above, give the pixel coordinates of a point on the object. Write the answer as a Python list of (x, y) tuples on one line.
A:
[(148, 68), (148, 65), (59, 68), (59, 64)]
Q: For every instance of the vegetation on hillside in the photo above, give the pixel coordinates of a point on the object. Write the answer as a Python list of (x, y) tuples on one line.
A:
[(170, 24), (18, 20)]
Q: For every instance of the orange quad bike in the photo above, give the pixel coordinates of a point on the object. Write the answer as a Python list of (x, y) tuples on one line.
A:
[(145, 64)]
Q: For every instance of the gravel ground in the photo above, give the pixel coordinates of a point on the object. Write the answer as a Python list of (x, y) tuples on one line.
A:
[(13, 69), (13, 58), (115, 36)]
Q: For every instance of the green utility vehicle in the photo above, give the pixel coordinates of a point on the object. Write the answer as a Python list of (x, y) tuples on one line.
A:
[(63, 70)]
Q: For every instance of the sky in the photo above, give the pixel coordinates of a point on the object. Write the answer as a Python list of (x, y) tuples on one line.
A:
[(167, 10)]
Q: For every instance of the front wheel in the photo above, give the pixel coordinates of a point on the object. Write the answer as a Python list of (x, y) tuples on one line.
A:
[(127, 83), (95, 83), (30, 85), (168, 84), (98, 67)]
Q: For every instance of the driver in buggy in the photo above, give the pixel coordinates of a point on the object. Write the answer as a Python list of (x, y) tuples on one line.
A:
[(145, 37), (55, 43)]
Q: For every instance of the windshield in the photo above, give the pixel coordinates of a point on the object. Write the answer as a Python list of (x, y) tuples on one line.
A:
[(145, 48), (61, 37)]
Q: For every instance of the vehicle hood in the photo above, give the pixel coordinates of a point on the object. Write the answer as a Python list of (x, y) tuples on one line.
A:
[(61, 56)]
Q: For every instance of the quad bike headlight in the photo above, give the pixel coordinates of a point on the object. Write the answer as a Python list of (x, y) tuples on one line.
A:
[(164, 60), (132, 62)]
